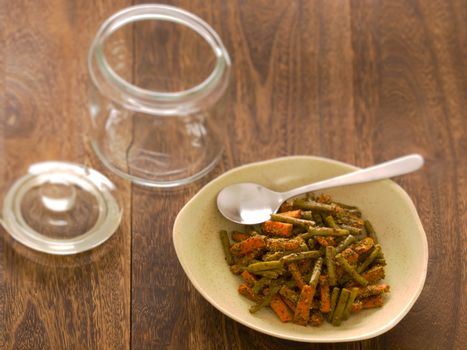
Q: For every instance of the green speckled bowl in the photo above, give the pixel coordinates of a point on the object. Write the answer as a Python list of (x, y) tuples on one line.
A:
[(384, 203)]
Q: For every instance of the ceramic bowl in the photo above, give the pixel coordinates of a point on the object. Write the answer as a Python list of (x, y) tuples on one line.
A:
[(384, 203)]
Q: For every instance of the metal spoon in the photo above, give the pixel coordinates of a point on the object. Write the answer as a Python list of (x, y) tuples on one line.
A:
[(250, 203)]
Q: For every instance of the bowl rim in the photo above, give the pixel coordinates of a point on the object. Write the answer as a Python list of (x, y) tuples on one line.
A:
[(308, 339)]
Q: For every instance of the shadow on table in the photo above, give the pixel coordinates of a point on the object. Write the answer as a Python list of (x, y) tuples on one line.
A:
[(17, 254)]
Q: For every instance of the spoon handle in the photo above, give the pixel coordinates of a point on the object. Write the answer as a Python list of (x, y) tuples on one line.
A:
[(395, 167)]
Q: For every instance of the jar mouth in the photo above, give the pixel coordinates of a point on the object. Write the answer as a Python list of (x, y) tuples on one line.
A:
[(97, 60)]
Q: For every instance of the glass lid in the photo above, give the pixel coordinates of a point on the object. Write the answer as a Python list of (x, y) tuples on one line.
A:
[(61, 208)]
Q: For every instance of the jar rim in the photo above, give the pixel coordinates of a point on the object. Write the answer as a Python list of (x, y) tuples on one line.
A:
[(162, 13)]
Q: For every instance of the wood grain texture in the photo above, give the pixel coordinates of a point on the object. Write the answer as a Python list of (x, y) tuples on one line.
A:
[(358, 81), (79, 302)]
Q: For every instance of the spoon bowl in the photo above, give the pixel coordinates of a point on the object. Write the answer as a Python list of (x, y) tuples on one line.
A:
[(249, 203)]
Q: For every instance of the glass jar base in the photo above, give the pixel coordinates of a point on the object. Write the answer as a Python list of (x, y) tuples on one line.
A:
[(155, 182)]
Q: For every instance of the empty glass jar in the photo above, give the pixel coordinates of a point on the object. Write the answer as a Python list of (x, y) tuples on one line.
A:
[(158, 92)]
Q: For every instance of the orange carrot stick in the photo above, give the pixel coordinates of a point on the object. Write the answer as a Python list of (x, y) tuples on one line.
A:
[(325, 294), (239, 236), (286, 206), (276, 228), (302, 311), (372, 302), (293, 268), (364, 245), (325, 241), (288, 294), (297, 214), (374, 274), (248, 278), (236, 269), (247, 292), (279, 307), (316, 318), (249, 245), (289, 304), (324, 198), (304, 266), (373, 289), (357, 307), (350, 255)]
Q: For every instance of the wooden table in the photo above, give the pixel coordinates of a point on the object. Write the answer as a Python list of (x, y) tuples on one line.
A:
[(357, 81)]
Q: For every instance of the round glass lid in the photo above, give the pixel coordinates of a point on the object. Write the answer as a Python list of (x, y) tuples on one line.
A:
[(61, 208)]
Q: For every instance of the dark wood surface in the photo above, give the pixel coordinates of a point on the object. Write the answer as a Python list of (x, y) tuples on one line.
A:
[(357, 81)]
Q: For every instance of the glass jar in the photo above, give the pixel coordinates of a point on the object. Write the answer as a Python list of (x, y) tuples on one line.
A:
[(159, 77)]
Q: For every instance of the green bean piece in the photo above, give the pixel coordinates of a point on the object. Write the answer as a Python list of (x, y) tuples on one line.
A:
[(307, 276), (323, 231), (237, 269), (380, 261), (322, 250), (364, 232), (330, 222), (353, 230), (339, 310), (260, 284), (258, 228), (311, 243), (304, 247), (348, 219), (312, 205), (362, 257), (331, 264), (372, 290), (291, 245), (298, 230), (311, 254), (264, 265), (305, 236), (226, 246), (345, 243), (294, 221), (355, 212), (316, 273), (271, 256), (350, 270), (289, 294), (266, 300), (344, 279), (370, 230), (323, 218), (290, 283), (348, 308), (271, 274), (326, 231), (346, 206), (364, 265), (334, 297), (317, 218), (307, 215)]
